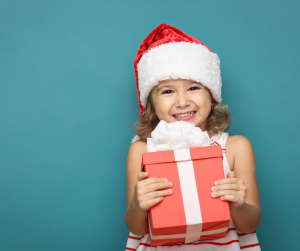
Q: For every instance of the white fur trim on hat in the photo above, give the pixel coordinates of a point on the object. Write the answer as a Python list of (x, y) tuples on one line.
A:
[(179, 60)]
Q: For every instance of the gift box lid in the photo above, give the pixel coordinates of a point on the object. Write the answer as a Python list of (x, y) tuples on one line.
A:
[(182, 155)]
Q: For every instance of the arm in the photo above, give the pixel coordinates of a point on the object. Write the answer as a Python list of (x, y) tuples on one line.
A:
[(142, 193), (240, 187)]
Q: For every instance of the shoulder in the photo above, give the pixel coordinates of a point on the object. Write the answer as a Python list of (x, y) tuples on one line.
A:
[(238, 143), (239, 150), (136, 150), (137, 146)]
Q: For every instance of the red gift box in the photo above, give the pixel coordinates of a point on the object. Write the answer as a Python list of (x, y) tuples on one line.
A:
[(189, 213)]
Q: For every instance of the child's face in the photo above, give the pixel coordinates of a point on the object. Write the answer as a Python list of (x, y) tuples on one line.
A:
[(182, 99)]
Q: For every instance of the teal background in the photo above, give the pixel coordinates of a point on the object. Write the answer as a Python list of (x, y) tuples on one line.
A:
[(68, 101)]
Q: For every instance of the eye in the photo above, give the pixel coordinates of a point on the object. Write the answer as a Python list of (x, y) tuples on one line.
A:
[(194, 88), (167, 92)]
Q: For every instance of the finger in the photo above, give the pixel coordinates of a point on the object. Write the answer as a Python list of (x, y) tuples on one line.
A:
[(224, 193), (157, 186), (153, 180), (230, 186), (142, 176), (158, 194), (230, 174), (227, 181), (231, 198), (150, 203)]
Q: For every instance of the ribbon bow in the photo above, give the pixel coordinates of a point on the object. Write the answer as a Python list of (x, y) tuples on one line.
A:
[(177, 135)]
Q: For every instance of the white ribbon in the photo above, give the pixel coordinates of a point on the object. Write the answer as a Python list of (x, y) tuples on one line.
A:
[(182, 155), (191, 202), (177, 135)]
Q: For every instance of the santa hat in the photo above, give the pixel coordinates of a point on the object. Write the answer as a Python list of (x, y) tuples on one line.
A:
[(169, 53)]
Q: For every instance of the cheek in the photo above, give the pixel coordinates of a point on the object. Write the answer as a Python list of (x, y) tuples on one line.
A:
[(162, 107), (204, 103), (161, 111)]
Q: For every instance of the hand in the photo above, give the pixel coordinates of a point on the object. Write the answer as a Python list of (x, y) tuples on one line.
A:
[(230, 189), (146, 193)]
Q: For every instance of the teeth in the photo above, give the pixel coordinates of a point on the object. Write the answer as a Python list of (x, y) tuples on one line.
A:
[(178, 116)]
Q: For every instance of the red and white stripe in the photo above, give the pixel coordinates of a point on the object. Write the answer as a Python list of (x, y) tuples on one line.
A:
[(233, 241), (215, 143)]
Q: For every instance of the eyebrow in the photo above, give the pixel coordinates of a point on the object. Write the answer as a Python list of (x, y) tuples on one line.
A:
[(159, 88), (170, 86), (194, 82)]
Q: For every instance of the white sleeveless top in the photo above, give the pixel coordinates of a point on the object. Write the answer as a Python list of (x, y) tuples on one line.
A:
[(233, 241)]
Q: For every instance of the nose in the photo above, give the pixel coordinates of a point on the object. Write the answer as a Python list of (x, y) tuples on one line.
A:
[(182, 100)]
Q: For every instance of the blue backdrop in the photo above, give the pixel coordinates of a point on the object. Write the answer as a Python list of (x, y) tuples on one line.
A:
[(68, 101)]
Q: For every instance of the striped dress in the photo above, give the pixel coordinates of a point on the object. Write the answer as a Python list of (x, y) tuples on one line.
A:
[(233, 241)]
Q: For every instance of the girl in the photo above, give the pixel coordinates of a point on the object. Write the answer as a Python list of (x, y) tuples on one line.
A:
[(178, 78)]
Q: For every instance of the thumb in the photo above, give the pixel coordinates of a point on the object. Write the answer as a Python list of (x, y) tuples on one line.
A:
[(142, 176), (230, 174)]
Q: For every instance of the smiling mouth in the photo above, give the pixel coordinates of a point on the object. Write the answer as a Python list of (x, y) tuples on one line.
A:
[(184, 115)]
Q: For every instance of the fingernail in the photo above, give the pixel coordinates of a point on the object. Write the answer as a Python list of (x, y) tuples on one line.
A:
[(216, 182), (222, 198), (170, 184), (214, 188), (169, 191), (162, 198), (165, 180), (214, 193)]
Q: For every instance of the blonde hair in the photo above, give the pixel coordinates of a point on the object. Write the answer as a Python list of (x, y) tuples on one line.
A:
[(218, 120)]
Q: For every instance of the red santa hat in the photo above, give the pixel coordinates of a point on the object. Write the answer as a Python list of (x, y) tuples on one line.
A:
[(169, 53)]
